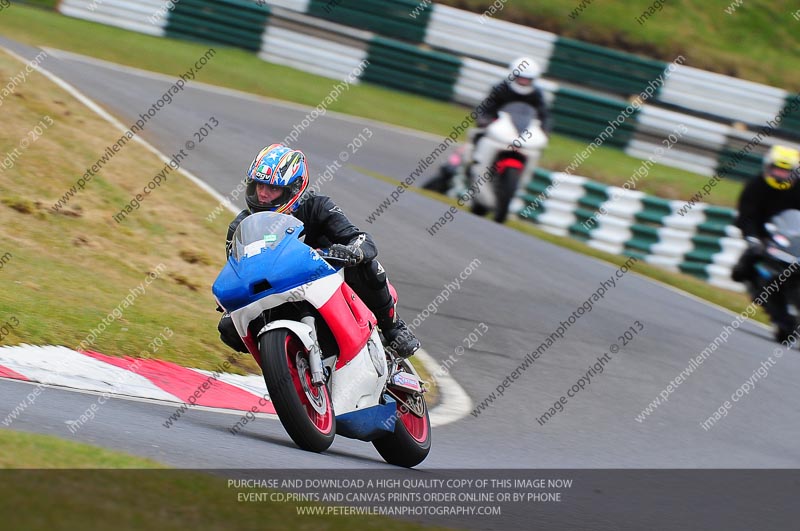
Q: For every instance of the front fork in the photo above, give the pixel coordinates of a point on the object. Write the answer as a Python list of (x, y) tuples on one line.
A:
[(315, 355)]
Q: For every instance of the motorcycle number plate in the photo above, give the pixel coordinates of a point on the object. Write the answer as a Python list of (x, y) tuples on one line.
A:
[(406, 381), (254, 248)]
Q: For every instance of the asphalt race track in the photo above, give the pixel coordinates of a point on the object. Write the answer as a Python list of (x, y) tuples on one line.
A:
[(521, 290)]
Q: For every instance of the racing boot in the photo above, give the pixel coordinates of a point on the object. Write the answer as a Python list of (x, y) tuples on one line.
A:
[(784, 329), (745, 269), (784, 322), (398, 336)]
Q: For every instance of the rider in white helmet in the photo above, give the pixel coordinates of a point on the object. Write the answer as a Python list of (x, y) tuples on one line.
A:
[(519, 85), (522, 74)]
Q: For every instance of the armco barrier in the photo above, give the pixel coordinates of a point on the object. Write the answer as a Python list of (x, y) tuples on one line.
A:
[(405, 67), (703, 243), (491, 40), (790, 126), (700, 146), (313, 45), (718, 95), (585, 116)]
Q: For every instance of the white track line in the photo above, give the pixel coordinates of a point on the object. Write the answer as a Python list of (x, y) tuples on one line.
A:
[(455, 403)]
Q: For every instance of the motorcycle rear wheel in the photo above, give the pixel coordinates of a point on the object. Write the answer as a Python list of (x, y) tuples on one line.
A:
[(305, 411)]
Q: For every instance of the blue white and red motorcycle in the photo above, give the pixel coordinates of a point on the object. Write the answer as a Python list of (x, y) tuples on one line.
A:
[(317, 343)]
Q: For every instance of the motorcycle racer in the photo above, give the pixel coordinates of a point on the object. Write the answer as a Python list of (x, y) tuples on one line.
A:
[(276, 182), (762, 198), (520, 85)]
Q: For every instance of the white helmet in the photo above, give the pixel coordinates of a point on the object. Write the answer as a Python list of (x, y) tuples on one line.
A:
[(522, 73)]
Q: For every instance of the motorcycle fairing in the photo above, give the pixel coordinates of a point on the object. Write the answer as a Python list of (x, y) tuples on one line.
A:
[(359, 383), (370, 423), (268, 272), (350, 321)]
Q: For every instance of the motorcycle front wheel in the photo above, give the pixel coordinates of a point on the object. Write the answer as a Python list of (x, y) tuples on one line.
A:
[(304, 410), (506, 187)]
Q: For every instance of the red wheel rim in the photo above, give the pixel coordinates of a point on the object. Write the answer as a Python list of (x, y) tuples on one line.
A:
[(416, 426), (324, 423)]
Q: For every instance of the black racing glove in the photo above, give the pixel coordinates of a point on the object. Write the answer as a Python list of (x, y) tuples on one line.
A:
[(346, 255)]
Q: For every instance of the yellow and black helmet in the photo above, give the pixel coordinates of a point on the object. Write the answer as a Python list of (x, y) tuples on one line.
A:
[(781, 167)]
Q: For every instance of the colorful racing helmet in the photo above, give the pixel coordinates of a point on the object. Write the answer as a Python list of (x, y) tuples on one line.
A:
[(781, 167), (277, 178)]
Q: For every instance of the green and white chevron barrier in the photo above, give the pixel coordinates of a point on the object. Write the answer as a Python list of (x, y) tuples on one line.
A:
[(404, 20), (703, 243)]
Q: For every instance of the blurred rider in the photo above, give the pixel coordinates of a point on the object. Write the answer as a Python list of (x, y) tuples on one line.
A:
[(763, 197), (519, 85)]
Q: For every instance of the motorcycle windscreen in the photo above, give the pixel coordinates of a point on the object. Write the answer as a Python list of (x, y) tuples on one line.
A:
[(521, 114), (267, 258), (787, 224), (263, 230)]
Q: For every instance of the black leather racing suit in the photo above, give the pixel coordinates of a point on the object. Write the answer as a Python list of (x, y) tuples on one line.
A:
[(759, 202), (502, 94)]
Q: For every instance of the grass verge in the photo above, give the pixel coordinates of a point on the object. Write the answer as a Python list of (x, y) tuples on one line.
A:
[(22, 450), (156, 498), (242, 70)]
